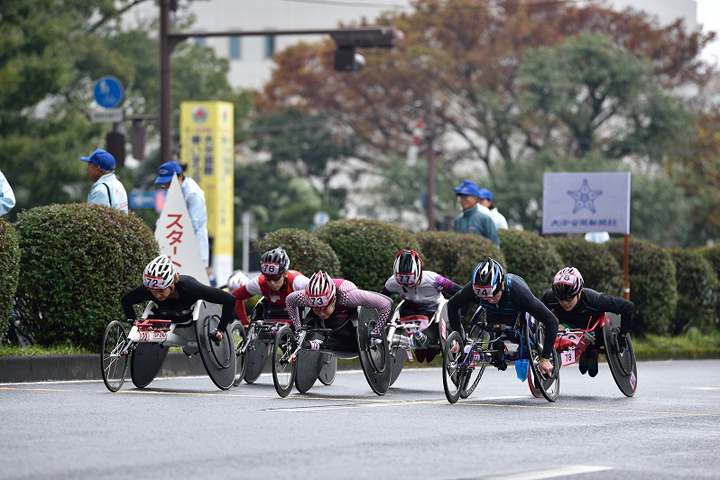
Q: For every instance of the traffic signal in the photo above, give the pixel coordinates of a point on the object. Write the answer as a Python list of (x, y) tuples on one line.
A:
[(115, 145)]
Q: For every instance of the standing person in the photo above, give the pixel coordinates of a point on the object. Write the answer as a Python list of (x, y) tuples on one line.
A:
[(107, 189), (472, 220), (195, 201), (577, 307), (7, 196), (275, 283), (486, 200)]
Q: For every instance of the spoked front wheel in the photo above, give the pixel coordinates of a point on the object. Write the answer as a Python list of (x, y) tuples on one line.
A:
[(283, 366), (114, 356), (548, 386), (454, 379), (239, 338)]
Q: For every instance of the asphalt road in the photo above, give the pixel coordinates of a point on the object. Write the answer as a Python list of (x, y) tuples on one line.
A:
[(186, 428)]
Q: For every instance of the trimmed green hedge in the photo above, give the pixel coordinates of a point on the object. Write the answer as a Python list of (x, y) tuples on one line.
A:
[(532, 257), (76, 262), (455, 255), (366, 248), (712, 254), (653, 287), (307, 252), (598, 267), (10, 268), (697, 288)]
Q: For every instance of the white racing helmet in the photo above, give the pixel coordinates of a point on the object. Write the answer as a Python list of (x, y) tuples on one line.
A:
[(159, 273)]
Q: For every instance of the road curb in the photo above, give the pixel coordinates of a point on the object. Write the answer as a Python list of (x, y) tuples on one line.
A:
[(43, 368)]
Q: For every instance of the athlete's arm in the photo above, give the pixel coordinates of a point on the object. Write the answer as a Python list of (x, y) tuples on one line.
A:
[(523, 298), (133, 297), (465, 296)]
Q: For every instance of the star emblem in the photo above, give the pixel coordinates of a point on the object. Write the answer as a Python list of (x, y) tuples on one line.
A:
[(584, 197)]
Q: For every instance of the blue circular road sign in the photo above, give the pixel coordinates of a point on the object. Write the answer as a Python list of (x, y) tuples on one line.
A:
[(108, 92)]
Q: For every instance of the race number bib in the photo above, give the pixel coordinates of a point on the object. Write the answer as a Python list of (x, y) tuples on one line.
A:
[(483, 291), (153, 283), (268, 268), (406, 278), (567, 357), (319, 301)]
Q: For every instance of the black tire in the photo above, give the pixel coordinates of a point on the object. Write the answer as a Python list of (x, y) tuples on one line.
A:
[(374, 358), (283, 367), (112, 364), (623, 365), (453, 379), (239, 338), (549, 387), (398, 358), (328, 370), (256, 358)]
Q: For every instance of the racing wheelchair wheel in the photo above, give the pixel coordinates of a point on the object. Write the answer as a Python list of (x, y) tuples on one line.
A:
[(283, 366), (454, 380), (621, 362), (328, 370), (472, 380), (113, 362), (239, 338), (549, 387)]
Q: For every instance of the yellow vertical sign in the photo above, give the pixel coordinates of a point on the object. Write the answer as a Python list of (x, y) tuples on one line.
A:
[(207, 148)]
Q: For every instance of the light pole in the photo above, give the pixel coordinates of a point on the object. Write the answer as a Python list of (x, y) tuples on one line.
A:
[(347, 40)]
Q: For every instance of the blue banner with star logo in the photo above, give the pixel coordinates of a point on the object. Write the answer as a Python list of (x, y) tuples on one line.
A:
[(582, 202)]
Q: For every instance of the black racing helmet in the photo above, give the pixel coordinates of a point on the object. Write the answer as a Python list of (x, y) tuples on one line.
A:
[(488, 278)]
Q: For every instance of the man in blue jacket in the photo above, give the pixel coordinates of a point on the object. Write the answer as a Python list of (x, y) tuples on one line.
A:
[(472, 220)]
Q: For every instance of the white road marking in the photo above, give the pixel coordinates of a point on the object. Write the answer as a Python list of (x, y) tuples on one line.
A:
[(551, 473), (710, 389)]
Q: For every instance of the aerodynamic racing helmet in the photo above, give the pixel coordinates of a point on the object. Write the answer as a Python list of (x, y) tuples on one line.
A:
[(274, 262), (488, 278), (408, 268), (567, 283), (320, 290), (237, 280), (159, 273)]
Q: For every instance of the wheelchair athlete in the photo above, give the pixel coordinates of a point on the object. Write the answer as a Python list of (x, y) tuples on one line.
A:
[(420, 289), (175, 295), (582, 306), (333, 303), (503, 296), (275, 283)]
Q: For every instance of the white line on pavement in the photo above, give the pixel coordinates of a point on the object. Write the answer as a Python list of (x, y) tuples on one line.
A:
[(551, 473)]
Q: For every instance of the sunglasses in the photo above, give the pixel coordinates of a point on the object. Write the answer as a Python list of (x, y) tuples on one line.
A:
[(273, 278)]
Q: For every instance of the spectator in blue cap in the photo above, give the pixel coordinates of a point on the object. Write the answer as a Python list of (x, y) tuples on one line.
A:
[(472, 219), (195, 201), (486, 200), (107, 189)]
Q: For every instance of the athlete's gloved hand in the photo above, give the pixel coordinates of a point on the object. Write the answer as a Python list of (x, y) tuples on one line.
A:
[(131, 321), (216, 336)]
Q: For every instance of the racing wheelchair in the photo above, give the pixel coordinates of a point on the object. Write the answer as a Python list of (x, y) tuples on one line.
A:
[(571, 343), (416, 333), (265, 323), (147, 343), (498, 345), (300, 361)]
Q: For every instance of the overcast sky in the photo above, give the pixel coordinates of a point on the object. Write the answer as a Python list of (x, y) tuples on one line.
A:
[(708, 15)]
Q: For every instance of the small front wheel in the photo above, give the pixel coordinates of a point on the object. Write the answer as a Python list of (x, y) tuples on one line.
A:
[(283, 366), (239, 338), (114, 356), (454, 379)]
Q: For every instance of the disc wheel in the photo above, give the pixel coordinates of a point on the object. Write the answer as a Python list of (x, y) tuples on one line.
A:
[(549, 386), (454, 379), (328, 370), (283, 366), (239, 338), (113, 361)]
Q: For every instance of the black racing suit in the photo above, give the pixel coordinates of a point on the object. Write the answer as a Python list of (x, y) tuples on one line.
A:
[(516, 299), (591, 305), (180, 310)]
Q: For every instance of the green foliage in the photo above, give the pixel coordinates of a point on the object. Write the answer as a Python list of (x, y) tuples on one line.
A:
[(692, 344), (653, 287), (455, 255), (659, 212), (10, 268), (307, 252), (697, 288), (530, 256), (599, 269), (76, 262), (366, 248)]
